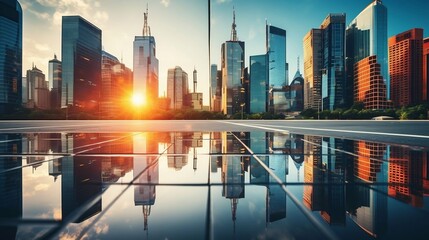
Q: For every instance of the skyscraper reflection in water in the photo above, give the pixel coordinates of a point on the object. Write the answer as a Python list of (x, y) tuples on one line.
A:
[(10, 184)]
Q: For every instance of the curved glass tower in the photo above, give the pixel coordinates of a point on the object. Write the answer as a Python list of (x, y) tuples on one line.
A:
[(367, 36), (10, 55)]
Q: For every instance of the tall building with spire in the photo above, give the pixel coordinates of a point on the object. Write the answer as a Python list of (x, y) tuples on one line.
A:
[(145, 65), (232, 72), (55, 81)]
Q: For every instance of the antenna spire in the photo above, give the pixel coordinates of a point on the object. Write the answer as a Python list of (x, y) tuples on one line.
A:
[(146, 28), (233, 30), (297, 64)]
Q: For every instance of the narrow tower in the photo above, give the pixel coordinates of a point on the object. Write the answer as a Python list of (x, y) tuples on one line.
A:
[(146, 28), (195, 80), (233, 30)]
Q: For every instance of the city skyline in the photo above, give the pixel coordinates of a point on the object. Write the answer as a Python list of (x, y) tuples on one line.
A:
[(190, 42)]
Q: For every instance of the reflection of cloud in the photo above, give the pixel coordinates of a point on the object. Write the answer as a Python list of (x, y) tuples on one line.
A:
[(74, 231), (57, 214), (222, 1), (166, 3)]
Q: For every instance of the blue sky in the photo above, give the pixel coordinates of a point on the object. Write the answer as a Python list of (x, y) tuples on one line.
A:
[(180, 27)]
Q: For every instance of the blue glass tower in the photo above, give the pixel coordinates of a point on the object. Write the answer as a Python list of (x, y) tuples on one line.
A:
[(367, 36), (276, 52), (258, 83), (81, 64), (333, 62), (232, 73), (10, 55)]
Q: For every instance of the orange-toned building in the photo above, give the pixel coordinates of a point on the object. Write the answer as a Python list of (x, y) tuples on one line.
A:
[(369, 86), (406, 68), (426, 69)]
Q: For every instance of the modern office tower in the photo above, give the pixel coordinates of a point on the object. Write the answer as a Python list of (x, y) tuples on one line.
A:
[(405, 175), (146, 172), (145, 65), (406, 68), (11, 197), (277, 68), (215, 88), (81, 64), (177, 87), (10, 55), (366, 36), (77, 172), (38, 95), (333, 63), (426, 69), (55, 82), (258, 84), (368, 205), (116, 87), (24, 90), (369, 87), (232, 73), (178, 152), (313, 69)]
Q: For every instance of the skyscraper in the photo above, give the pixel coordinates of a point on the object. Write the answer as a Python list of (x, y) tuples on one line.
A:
[(313, 69), (177, 87), (333, 62), (426, 69), (55, 81), (10, 55), (38, 95), (232, 73), (406, 67), (275, 41), (366, 36), (116, 87), (81, 64), (215, 89), (145, 65), (258, 83), (369, 87)]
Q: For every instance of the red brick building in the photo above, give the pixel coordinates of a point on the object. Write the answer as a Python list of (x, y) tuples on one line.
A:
[(369, 86), (406, 68)]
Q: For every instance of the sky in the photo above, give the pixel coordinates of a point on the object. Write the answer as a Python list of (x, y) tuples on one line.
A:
[(180, 28)]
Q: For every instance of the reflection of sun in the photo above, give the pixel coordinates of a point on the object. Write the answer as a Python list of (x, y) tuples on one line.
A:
[(138, 99)]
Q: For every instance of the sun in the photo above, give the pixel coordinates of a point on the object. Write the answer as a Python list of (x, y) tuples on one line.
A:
[(138, 99)]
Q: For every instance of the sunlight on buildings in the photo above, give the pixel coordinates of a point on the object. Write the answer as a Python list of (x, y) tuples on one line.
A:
[(138, 99)]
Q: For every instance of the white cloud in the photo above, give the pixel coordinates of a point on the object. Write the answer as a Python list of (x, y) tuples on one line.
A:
[(223, 1), (42, 47), (41, 15), (48, 3), (166, 3)]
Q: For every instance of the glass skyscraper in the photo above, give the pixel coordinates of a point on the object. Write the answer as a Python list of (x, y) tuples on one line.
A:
[(276, 52), (258, 83), (367, 36), (145, 65), (55, 79), (81, 64), (232, 73), (333, 62), (10, 55)]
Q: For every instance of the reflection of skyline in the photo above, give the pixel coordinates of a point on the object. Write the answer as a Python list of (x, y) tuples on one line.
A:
[(374, 172), (10, 183)]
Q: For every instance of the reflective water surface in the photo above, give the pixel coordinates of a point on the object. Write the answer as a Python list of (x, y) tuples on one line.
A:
[(210, 185)]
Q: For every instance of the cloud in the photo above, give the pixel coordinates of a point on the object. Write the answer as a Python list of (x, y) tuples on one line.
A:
[(222, 1), (41, 15), (41, 187), (166, 3), (42, 47), (252, 33), (48, 3)]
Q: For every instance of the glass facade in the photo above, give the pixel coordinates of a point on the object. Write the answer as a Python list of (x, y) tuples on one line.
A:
[(367, 36), (55, 82), (297, 94), (276, 52), (232, 72), (145, 68), (10, 55), (177, 87), (81, 65), (258, 84), (333, 55)]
